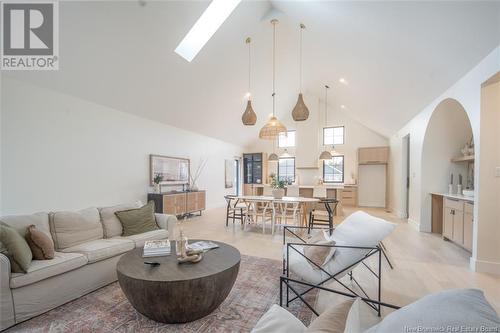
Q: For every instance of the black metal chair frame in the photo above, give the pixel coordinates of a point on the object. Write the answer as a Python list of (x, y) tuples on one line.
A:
[(231, 211), (286, 280), (331, 212)]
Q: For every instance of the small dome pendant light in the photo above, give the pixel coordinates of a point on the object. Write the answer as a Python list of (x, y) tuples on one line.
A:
[(273, 157), (300, 112), (326, 155), (273, 127), (249, 118)]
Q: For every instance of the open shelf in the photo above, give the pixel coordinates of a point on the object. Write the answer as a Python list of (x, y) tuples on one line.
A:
[(469, 158)]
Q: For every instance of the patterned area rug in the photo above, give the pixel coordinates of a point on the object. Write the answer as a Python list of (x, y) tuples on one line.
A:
[(108, 310)]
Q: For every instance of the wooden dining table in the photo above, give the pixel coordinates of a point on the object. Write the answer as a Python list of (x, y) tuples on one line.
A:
[(305, 203)]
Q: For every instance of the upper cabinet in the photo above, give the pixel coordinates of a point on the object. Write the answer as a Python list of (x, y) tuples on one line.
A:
[(255, 168), (373, 155)]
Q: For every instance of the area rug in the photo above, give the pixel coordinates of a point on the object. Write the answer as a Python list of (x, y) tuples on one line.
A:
[(108, 310)]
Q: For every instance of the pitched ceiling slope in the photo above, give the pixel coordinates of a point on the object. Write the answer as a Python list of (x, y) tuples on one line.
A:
[(396, 56)]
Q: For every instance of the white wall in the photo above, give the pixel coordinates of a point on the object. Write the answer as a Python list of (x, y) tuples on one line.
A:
[(61, 152), (467, 92), (309, 141), (488, 247)]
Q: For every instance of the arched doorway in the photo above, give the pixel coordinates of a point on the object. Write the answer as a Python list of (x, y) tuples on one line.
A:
[(448, 131)]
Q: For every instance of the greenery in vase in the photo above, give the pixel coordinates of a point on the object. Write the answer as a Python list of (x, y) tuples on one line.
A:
[(158, 178), (276, 183)]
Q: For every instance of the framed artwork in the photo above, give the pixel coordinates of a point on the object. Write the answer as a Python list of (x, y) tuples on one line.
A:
[(229, 174), (175, 170)]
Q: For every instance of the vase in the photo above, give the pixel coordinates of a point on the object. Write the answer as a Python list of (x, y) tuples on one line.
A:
[(278, 193), (450, 189), (157, 188), (459, 189)]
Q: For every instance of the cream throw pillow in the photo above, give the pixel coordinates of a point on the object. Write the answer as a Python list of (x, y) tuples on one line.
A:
[(319, 254), (333, 320)]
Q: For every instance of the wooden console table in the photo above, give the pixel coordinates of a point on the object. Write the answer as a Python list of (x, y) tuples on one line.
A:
[(179, 203)]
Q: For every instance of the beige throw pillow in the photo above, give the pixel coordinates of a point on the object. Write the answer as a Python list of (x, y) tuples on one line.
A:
[(333, 320), (319, 254)]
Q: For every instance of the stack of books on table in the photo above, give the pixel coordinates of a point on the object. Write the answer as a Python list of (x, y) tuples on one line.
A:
[(156, 248)]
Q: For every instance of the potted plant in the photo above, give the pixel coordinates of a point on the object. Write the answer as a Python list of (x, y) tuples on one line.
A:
[(157, 179), (278, 187)]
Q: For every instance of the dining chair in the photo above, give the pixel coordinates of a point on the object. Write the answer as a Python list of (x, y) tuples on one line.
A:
[(259, 209), (285, 212), (235, 209), (319, 192), (267, 191), (292, 191)]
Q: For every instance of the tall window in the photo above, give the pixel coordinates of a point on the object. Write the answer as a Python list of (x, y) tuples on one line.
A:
[(333, 135), (333, 170), (286, 169), (286, 139)]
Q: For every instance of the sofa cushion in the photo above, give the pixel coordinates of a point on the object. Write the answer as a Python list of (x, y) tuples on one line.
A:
[(43, 269), (333, 320), (17, 249), (139, 239), (111, 224), (40, 244), (72, 228), (358, 229), (460, 308), (138, 220), (22, 222), (100, 249), (278, 320)]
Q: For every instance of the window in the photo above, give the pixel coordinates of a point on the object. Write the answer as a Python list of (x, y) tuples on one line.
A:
[(286, 139), (333, 170), (286, 169), (333, 135)]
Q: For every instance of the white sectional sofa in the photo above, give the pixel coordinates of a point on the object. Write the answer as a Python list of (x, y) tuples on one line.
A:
[(87, 251)]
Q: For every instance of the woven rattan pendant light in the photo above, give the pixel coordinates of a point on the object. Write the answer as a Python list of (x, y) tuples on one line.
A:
[(249, 118), (273, 127), (300, 112), (325, 154)]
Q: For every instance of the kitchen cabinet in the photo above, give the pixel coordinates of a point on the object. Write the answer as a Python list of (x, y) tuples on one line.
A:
[(254, 168), (349, 196), (458, 222), (373, 155)]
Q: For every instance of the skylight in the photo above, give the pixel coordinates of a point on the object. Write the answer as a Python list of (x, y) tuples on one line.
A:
[(206, 26)]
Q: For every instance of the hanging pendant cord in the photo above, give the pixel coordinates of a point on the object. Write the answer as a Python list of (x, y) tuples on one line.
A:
[(302, 27), (326, 105), (249, 65), (274, 66)]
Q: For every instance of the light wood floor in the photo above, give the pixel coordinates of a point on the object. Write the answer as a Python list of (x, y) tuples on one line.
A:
[(424, 263)]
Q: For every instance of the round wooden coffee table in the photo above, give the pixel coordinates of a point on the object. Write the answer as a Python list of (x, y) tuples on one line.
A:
[(178, 293)]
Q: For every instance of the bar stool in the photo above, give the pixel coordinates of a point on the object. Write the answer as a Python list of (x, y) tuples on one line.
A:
[(320, 216)]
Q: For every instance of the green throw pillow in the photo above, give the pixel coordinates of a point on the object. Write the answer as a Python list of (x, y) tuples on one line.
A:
[(139, 220), (18, 250)]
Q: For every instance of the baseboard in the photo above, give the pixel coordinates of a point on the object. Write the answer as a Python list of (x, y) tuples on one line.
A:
[(414, 224), (484, 266)]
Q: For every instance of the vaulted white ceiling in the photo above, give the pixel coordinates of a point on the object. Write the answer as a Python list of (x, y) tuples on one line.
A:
[(396, 56)]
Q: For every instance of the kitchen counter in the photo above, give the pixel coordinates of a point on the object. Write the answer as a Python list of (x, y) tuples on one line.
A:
[(328, 186), (455, 196)]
